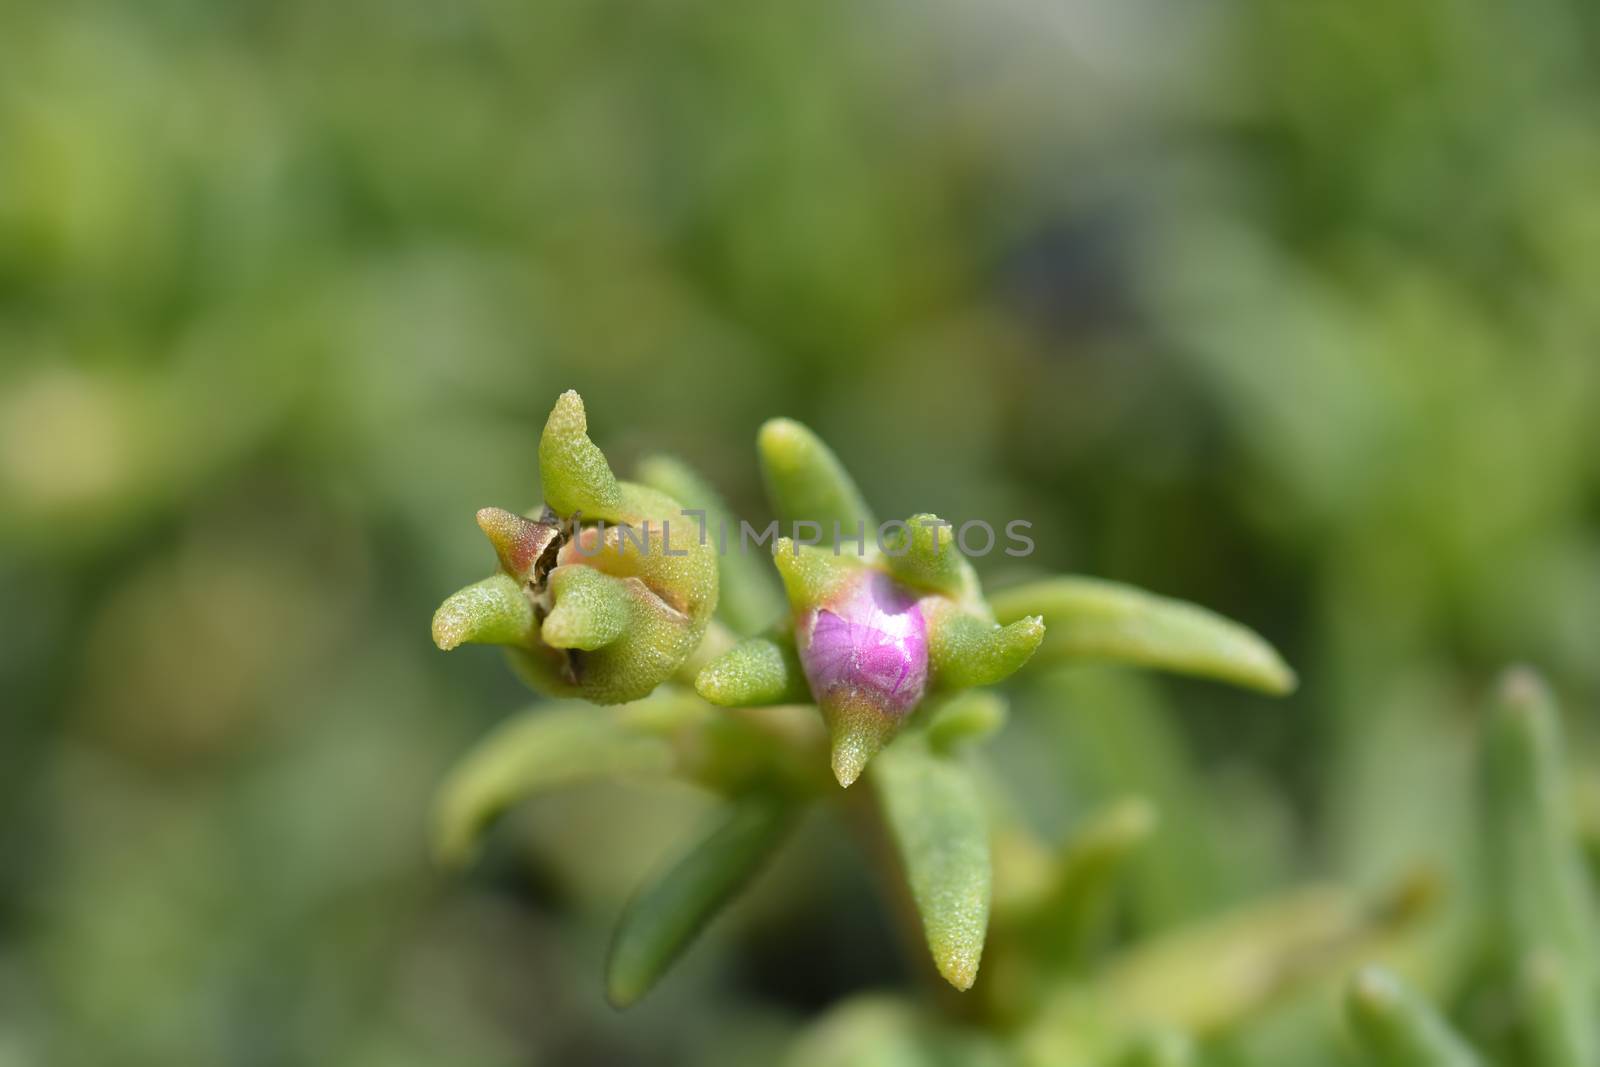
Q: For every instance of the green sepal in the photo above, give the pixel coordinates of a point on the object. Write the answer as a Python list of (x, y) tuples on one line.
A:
[(1094, 620), (750, 600), (923, 555), (589, 609), (857, 731), (576, 478), (936, 818), (757, 672), (669, 912), (655, 639), (659, 547), (966, 650), (495, 611), (812, 575), (522, 545), (807, 483), (1397, 1027)]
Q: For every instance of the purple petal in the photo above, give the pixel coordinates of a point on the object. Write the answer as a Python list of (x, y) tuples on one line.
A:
[(871, 643)]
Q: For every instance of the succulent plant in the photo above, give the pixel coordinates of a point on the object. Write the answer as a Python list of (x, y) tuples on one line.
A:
[(891, 641)]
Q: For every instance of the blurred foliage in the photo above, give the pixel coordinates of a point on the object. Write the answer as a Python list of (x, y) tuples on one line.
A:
[(1289, 310)]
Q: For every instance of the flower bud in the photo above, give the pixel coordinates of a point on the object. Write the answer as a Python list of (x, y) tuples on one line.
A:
[(605, 612), (863, 645)]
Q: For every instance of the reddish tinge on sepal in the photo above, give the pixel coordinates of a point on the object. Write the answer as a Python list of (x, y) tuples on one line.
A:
[(520, 543)]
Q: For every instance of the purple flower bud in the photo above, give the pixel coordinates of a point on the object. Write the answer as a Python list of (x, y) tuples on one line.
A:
[(865, 655)]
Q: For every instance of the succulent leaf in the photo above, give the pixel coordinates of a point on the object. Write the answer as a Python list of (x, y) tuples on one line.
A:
[(1090, 619), (669, 912), (1543, 901), (1210, 975), (1555, 1022), (935, 815), (807, 483), (1396, 1027), (547, 749)]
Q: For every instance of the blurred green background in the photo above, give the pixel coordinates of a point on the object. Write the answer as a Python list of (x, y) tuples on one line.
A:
[(1289, 309)]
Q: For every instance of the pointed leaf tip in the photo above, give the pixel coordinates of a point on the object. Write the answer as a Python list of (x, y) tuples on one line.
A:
[(1094, 620), (936, 818), (1540, 886), (1396, 1027), (535, 753), (806, 481)]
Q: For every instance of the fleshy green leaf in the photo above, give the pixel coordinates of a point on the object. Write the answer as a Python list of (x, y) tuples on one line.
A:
[(1090, 619), (1556, 1021), (1211, 975), (1537, 876), (666, 915), (494, 611), (1396, 1027), (935, 815), (806, 482), (755, 673), (965, 651), (749, 600), (1078, 899), (540, 751)]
